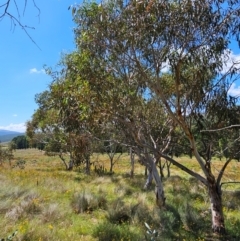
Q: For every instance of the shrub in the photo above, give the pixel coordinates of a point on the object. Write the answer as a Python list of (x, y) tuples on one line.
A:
[(50, 213), (140, 213), (233, 226), (190, 217), (165, 223), (108, 232), (88, 202), (118, 212), (28, 206)]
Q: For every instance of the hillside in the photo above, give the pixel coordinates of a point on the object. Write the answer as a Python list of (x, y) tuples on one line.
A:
[(6, 135)]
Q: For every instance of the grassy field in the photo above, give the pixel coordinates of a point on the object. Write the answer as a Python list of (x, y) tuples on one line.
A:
[(42, 201)]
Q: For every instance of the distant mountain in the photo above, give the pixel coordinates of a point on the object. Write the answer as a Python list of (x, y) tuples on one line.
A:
[(6, 132), (6, 135)]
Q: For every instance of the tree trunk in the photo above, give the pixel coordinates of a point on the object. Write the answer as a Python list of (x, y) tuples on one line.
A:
[(87, 160), (63, 160), (132, 163), (145, 171), (168, 168), (161, 167), (216, 209), (111, 165), (70, 165), (160, 198), (149, 180), (150, 163)]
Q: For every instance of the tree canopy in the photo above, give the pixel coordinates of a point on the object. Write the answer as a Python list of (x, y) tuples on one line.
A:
[(159, 71)]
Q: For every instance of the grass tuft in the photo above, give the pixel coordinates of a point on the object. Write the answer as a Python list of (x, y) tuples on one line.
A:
[(108, 232), (88, 202)]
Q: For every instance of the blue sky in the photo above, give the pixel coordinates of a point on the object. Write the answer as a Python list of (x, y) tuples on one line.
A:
[(21, 68)]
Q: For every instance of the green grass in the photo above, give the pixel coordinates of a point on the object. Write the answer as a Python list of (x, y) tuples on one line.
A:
[(44, 202)]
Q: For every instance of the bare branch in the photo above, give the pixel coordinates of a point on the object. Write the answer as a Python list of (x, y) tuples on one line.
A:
[(222, 171), (220, 129), (16, 20), (184, 168), (224, 183), (17, 8), (25, 6)]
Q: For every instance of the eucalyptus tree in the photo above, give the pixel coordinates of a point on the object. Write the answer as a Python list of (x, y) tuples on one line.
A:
[(140, 40), (21, 142), (47, 127), (89, 99), (6, 154), (110, 140)]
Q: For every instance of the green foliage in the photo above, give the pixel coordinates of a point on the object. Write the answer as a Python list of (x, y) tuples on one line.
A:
[(169, 220), (119, 212), (117, 76), (6, 154), (233, 227), (108, 232), (190, 217), (21, 142)]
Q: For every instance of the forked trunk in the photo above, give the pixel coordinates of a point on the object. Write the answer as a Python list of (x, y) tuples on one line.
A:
[(168, 168), (149, 162), (216, 210)]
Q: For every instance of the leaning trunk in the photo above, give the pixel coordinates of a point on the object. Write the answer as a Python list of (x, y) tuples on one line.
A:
[(63, 160), (216, 209), (149, 180), (160, 198), (149, 162)]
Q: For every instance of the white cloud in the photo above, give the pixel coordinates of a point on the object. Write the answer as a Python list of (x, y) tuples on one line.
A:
[(15, 115), (165, 67), (21, 127), (36, 71), (230, 60), (234, 90)]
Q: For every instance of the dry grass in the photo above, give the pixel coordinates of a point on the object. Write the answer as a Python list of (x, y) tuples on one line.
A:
[(40, 200)]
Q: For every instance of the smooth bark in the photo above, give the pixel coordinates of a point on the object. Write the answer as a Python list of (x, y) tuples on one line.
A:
[(216, 209)]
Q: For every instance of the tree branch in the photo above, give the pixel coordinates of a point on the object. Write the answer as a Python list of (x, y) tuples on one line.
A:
[(223, 183), (222, 171), (220, 129), (16, 20), (190, 172)]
